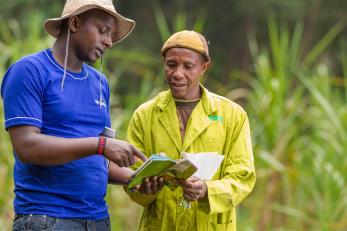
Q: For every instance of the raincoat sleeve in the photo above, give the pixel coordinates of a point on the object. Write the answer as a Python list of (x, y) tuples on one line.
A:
[(237, 174), (135, 136)]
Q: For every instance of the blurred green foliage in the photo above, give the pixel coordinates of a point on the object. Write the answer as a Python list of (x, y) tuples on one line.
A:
[(284, 61)]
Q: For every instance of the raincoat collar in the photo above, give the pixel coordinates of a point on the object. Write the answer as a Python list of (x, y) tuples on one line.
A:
[(168, 118), (208, 103)]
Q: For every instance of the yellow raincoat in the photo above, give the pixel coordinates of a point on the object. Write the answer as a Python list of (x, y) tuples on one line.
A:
[(215, 125)]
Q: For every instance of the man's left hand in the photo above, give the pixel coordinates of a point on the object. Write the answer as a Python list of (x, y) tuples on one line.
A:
[(193, 188)]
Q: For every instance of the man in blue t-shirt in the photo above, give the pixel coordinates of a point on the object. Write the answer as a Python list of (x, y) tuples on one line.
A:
[(56, 108)]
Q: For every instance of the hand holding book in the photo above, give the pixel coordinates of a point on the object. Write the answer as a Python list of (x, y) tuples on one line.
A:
[(170, 169), (197, 167), (151, 185), (195, 188)]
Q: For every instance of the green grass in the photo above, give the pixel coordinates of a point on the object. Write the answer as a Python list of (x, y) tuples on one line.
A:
[(299, 129), (6, 171)]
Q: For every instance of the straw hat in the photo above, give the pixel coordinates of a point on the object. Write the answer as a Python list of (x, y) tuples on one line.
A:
[(187, 39), (76, 7)]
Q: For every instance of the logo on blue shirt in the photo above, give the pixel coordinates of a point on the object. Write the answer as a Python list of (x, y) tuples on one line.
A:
[(100, 103)]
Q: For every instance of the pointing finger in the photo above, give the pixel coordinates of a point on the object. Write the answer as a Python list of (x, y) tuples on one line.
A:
[(140, 155)]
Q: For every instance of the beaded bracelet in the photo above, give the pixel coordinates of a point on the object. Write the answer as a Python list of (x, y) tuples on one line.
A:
[(101, 145)]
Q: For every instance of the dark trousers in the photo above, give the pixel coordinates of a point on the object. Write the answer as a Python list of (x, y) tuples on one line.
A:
[(42, 222)]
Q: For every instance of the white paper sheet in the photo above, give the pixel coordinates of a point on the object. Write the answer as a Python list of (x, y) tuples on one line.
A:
[(206, 162)]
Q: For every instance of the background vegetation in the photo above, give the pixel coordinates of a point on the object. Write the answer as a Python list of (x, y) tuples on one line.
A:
[(285, 62)]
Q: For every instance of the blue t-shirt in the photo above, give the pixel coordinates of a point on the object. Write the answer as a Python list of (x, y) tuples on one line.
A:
[(31, 91)]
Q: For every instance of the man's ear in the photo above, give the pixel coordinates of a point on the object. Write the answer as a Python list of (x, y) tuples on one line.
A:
[(74, 23), (205, 66)]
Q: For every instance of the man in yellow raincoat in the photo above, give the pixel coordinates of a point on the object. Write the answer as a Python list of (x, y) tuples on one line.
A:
[(189, 118)]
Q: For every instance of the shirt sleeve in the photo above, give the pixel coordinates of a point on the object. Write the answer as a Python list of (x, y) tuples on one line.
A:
[(22, 90), (238, 172)]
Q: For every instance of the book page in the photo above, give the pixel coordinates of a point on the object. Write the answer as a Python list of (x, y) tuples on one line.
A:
[(182, 170), (206, 162)]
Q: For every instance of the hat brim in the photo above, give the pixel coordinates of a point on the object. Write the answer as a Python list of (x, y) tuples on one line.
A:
[(124, 26)]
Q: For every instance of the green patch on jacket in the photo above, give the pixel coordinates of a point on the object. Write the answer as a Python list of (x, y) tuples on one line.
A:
[(216, 118)]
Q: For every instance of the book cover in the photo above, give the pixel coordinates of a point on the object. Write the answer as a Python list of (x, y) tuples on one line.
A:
[(158, 165)]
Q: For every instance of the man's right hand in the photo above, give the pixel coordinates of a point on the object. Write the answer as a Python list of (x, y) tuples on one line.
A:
[(122, 153), (151, 185)]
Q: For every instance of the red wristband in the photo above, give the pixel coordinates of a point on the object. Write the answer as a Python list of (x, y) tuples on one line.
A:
[(101, 145)]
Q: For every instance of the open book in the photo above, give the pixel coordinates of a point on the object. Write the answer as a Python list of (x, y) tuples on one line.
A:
[(158, 165)]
